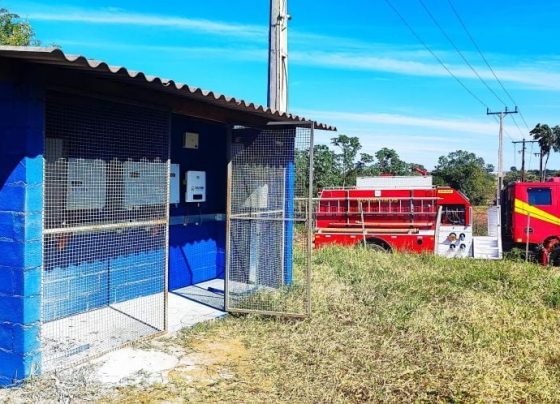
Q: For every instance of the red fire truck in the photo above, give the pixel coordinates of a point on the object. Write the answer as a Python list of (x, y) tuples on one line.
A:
[(410, 214), (531, 219)]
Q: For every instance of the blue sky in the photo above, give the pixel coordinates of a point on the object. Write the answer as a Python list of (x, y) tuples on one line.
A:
[(353, 64)]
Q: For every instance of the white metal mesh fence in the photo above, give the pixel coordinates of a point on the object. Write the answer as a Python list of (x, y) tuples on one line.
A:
[(268, 265), (105, 226)]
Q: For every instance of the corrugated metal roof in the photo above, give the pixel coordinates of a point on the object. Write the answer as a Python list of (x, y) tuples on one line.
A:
[(55, 56)]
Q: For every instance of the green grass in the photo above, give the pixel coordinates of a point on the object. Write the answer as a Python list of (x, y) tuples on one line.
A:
[(393, 328)]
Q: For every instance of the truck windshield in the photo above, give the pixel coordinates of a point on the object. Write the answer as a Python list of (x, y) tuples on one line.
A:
[(539, 196)]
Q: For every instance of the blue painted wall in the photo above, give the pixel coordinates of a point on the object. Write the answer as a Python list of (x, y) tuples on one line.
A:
[(21, 175), (196, 250)]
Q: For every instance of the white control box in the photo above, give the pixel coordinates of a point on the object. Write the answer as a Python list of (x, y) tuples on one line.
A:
[(144, 183), (196, 186), (86, 188), (175, 184)]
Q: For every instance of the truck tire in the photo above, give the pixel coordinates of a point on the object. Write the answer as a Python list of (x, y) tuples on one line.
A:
[(554, 257), (378, 246)]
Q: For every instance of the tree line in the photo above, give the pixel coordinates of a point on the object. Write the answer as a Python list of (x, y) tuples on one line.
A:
[(339, 164)]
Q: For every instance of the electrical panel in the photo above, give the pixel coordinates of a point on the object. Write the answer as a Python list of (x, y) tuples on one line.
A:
[(175, 184), (190, 140), (86, 184), (144, 183), (196, 186)]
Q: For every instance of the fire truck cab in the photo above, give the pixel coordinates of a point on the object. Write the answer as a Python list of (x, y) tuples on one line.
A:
[(404, 214), (531, 219)]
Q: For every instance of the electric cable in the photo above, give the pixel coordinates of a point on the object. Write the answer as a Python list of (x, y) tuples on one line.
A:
[(452, 42), (484, 59), (461, 54), (429, 49)]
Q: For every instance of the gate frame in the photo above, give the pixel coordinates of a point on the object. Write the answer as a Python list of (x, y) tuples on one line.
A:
[(309, 226)]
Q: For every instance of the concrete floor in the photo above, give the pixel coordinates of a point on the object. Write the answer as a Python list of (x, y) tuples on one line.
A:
[(71, 339), (196, 303)]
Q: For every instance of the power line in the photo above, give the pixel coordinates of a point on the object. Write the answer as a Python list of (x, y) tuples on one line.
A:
[(516, 124), (452, 42), (419, 39), (484, 58)]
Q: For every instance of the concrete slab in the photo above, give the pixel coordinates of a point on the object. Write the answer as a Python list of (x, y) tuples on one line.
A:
[(194, 304)]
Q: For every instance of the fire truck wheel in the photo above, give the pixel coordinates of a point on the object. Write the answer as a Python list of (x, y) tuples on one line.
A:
[(378, 246), (554, 257)]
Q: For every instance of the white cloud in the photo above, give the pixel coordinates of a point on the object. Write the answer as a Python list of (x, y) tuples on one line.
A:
[(528, 76), (451, 125), (117, 17)]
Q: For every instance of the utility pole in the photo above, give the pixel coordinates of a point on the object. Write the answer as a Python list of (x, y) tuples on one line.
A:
[(523, 149), (278, 56), (502, 114)]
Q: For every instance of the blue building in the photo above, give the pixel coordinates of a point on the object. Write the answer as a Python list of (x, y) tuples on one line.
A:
[(117, 187)]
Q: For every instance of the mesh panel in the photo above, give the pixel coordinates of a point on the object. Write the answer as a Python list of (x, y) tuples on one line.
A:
[(269, 249), (105, 226)]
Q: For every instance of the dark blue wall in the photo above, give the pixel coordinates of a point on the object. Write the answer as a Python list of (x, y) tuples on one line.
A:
[(197, 248), (21, 193)]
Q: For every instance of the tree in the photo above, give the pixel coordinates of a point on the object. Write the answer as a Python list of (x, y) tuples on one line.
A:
[(547, 142), (349, 147), (325, 169), (467, 173), (14, 31), (514, 175), (389, 162)]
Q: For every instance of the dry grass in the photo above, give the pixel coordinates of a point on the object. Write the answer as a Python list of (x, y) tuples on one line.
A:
[(395, 328), (480, 220)]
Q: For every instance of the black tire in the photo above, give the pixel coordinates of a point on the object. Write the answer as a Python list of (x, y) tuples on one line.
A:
[(371, 245), (554, 257)]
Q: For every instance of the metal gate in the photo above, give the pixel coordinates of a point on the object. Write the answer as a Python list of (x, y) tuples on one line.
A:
[(268, 262), (105, 226)]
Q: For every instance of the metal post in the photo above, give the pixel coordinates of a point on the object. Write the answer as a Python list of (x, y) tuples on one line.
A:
[(500, 173), (527, 236), (228, 224), (309, 222)]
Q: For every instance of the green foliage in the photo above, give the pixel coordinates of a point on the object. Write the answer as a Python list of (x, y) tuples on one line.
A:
[(340, 166), (349, 147), (467, 173), (546, 138), (514, 175), (14, 31), (389, 162)]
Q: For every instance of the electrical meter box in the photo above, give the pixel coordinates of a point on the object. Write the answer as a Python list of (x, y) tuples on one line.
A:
[(190, 140), (85, 186), (196, 186), (175, 184), (144, 183)]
